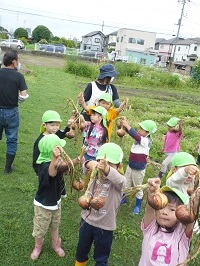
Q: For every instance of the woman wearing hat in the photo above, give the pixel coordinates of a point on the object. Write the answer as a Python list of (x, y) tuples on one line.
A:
[(95, 88)]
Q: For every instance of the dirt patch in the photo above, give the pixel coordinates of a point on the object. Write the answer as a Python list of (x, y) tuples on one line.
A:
[(49, 61)]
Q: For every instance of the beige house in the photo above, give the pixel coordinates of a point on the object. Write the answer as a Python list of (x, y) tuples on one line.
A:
[(137, 40)]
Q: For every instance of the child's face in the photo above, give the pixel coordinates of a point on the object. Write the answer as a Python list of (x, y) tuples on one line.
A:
[(166, 217), (52, 127), (143, 132), (189, 178), (95, 118), (171, 129), (105, 104)]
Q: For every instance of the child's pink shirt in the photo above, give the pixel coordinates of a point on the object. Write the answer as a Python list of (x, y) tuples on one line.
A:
[(163, 248), (172, 142)]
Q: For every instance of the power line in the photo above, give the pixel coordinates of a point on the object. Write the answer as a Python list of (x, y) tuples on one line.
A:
[(78, 21)]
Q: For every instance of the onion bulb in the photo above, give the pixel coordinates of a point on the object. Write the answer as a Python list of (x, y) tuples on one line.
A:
[(121, 132), (158, 200), (97, 202), (190, 190), (84, 202), (184, 214), (78, 184)]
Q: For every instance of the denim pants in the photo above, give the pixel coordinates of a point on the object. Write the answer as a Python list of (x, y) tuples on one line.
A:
[(9, 121), (102, 244)]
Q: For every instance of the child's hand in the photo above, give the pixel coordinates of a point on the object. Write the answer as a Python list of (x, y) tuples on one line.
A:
[(123, 104), (124, 123), (78, 160), (57, 152), (104, 166), (70, 122), (191, 170), (91, 164), (154, 184), (81, 98)]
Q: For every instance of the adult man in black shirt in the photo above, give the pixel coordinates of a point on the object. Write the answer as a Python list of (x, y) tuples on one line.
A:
[(13, 89)]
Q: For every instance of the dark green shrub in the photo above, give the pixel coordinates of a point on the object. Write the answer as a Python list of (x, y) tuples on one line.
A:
[(81, 69)]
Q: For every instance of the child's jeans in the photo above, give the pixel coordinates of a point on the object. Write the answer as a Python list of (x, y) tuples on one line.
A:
[(102, 243)]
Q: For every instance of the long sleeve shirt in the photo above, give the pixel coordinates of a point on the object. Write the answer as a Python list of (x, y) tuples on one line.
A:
[(139, 150), (111, 188)]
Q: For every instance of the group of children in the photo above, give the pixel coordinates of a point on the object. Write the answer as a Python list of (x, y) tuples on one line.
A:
[(165, 238)]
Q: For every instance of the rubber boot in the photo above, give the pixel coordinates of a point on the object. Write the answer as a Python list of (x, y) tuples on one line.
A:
[(9, 160), (56, 243), (37, 249), (80, 263), (136, 210)]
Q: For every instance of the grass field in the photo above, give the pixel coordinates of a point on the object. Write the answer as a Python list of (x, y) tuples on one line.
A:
[(50, 88)]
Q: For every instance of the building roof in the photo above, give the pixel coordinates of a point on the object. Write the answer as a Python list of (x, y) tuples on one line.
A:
[(188, 41), (170, 41), (112, 33), (93, 33), (158, 40)]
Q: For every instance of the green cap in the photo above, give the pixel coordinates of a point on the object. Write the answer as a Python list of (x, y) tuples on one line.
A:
[(172, 122), (111, 151), (46, 146), (183, 159), (183, 197), (49, 116), (106, 97), (148, 125), (102, 111)]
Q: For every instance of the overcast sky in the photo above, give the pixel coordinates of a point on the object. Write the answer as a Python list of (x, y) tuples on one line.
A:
[(76, 18)]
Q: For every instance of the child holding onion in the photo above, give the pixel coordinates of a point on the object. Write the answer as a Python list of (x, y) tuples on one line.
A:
[(135, 170), (183, 175), (167, 234), (47, 202), (50, 125), (96, 133), (97, 224), (105, 100)]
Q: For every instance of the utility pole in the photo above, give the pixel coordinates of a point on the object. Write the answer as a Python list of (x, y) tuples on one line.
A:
[(179, 26), (102, 26)]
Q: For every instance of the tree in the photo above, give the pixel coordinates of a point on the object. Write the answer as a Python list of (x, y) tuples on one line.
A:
[(3, 33), (41, 32), (68, 43), (20, 33)]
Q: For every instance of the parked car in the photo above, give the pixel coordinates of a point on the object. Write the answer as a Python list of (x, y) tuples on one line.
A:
[(54, 48), (14, 43), (90, 53), (43, 47)]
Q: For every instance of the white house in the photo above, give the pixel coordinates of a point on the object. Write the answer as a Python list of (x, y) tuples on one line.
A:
[(136, 40), (93, 41), (187, 50)]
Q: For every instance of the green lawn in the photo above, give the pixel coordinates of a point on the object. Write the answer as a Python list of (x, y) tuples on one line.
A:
[(50, 88)]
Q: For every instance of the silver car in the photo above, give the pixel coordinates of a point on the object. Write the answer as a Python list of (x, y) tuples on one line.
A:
[(13, 43)]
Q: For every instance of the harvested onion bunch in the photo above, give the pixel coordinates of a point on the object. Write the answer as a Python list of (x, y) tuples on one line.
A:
[(87, 201)]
